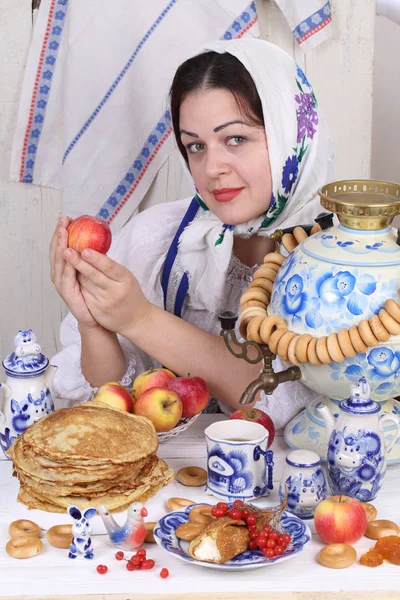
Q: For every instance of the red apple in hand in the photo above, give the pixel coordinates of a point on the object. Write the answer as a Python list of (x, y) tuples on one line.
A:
[(257, 416), (340, 520), (194, 393), (89, 232)]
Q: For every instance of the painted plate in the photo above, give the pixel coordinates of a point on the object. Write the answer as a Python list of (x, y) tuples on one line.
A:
[(165, 536)]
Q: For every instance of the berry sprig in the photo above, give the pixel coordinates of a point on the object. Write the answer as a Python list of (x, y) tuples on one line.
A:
[(268, 540), (136, 562)]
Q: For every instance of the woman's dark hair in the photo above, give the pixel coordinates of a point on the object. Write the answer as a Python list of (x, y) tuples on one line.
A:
[(212, 70)]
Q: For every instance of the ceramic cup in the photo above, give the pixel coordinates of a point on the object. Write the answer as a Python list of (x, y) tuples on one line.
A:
[(306, 482), (239, 466)]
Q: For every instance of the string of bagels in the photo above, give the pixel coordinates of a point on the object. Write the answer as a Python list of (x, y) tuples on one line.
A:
[(258, 326)]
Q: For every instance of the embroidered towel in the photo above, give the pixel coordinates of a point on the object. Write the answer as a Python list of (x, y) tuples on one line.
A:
[(93, 118), (310, 20)]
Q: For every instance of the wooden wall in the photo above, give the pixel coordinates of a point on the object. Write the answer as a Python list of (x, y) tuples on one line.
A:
[(340, 70)]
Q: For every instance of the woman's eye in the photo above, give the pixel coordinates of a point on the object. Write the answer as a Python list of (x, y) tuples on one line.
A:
[(236, 140), (195, 147)]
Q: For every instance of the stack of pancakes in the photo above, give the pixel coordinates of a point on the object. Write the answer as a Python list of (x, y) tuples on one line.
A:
[(88, 455)]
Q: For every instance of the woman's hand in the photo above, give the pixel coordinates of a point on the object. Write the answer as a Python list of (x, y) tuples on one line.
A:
[(64, 277), (111, 292)]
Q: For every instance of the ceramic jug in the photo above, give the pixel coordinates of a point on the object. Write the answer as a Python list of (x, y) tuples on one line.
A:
[(27, 393), (357, 449), (306, 483)]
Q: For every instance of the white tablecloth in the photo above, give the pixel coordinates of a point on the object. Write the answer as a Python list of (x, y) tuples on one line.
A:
[(52, 573)]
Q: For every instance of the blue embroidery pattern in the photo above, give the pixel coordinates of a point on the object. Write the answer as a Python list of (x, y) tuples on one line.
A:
[(313, 24)]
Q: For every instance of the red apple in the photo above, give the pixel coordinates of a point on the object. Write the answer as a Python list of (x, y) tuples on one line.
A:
[(89, 232), (150, 379), (258, 416), (194, 393), (340, 520), (115, 395), (162, 406)]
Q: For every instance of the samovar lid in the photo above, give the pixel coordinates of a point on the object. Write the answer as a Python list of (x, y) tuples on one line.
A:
[(27, 358), (362, 204)]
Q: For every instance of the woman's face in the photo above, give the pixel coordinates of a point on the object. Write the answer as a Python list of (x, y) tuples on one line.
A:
[(228, 156)]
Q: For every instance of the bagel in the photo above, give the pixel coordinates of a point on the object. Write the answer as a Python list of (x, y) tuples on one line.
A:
[(274, 257), (301, 347), (178, 503), (356, 340), (289, 242), (275, 338), (192, 476), (189, 531), (24, 546), (60, 536), (292, 358), (389, 323), (393, 309), (24, 528), (345, 343), (283, 344), (381, 528), (201, 514), (149, 537), (365, 331), (268, 325), (333, 347), (312, 352), (253, 329), (265, 272), (378, 329), (337, 556), (370, 511), (299, 234)]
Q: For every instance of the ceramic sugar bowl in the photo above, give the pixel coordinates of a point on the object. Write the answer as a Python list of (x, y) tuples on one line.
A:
[(357, 448), (27, 393), (306, 483)]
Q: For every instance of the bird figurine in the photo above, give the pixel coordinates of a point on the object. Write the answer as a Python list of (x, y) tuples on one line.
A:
[(129, 536)]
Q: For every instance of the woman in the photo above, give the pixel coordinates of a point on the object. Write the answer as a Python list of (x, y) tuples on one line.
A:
[(247, 124)]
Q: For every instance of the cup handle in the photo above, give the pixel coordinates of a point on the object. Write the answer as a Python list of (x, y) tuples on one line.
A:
[(394, 419), (269, 463)]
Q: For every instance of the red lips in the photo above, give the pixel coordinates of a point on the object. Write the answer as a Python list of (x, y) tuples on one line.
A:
[(226, 194)]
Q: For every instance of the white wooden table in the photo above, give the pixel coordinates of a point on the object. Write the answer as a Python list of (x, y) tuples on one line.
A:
[(52, 574)]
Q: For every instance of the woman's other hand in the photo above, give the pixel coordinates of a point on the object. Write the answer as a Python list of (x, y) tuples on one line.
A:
[(111, 292), (64, 277)]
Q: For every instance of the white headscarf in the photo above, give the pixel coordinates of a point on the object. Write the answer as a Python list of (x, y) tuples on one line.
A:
[(300, 155)]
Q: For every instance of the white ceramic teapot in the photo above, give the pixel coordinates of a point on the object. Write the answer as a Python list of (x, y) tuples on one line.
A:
[(357, 449), (27, 393)]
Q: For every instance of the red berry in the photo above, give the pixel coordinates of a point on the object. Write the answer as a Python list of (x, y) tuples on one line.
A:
[(235, 514), (261, 541), (164, 573), (268, 552), (148, 564), (219, 512), (130, 566), (222, 506), (214, 511), (267, 528), (251, 520), (238, 503), (273, 535), (136, 560), (253, 535), (101, 569), (245, 513), (286, 539), (119, 555), (141, 552), (252, 545), (279, 550), (271, 543)]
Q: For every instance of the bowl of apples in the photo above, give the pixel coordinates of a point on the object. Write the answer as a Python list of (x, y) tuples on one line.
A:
[(171, 403)]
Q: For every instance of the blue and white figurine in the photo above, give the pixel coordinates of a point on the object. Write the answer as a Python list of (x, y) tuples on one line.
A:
[(27, 394), (81, 545), (357, 449), (306, 483)]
